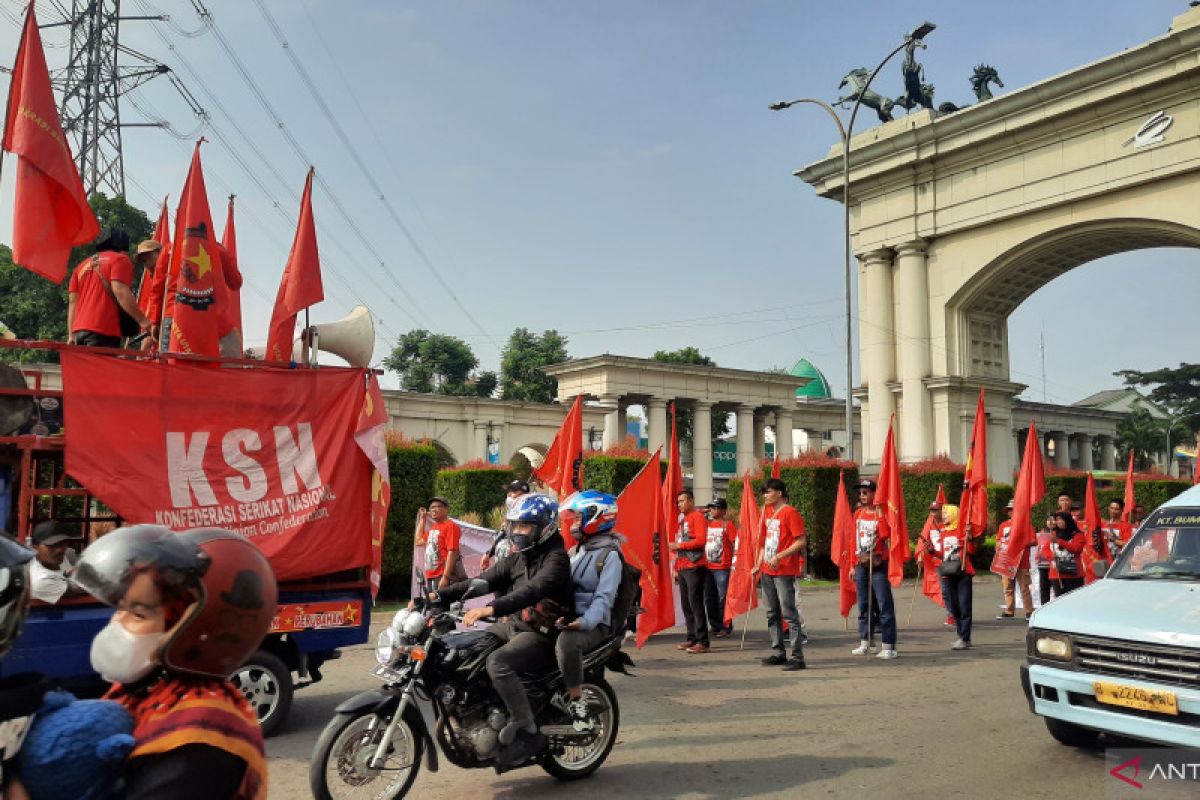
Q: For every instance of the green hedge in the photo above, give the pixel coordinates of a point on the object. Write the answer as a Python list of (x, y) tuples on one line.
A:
[(477, 490), (611, 474), (920, 489), (412, 468)]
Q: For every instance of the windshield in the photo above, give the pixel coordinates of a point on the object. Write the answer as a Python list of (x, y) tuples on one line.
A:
[(1166, 548)]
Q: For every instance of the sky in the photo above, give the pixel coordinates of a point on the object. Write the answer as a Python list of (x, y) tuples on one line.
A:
[(607, 169)]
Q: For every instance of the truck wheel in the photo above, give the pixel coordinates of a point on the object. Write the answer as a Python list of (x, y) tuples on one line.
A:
[(1070, 734), (266, 683)]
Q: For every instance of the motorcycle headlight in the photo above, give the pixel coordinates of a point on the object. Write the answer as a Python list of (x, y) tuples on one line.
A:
[(385, 646), (413, 625), (398, 620)]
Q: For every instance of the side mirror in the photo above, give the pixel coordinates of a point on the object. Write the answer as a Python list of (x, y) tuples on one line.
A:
[(1100, 568), (477, 588)]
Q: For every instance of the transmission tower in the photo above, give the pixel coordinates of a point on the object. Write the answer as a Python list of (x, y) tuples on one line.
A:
[(92, 86)]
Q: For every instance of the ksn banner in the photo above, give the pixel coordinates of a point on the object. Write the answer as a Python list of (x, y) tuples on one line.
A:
[(289, 459)]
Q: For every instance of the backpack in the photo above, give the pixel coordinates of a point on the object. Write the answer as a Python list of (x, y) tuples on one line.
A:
[(627, 589)]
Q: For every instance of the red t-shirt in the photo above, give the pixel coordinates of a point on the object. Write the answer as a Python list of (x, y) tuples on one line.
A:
[(692, 529), (1002, 534), (870, 533), (439, 541), (719, 542), (1117, 534), (950, 547), (779, 530), (95, 311)]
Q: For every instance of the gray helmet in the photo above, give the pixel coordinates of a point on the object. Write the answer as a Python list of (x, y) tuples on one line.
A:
[(14, 589)]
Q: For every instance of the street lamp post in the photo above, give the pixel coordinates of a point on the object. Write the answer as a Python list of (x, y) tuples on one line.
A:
[(918, 34)]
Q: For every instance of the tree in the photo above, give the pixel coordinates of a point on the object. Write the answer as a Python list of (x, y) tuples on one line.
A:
[(683, 416), (486, 383), (521, 362), (1143, 433), (433, 363), (1176, 390), (34, 307)]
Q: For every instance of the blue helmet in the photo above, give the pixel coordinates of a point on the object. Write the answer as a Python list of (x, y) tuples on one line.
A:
[(597, 511), (538, 509)]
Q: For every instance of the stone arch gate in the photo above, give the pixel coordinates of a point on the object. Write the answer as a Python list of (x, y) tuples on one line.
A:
[(958, 218)]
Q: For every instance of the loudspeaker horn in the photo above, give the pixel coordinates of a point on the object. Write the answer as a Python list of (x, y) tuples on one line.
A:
[(351, 338)]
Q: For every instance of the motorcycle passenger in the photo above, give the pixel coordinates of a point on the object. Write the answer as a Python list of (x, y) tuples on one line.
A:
[(20, 694), (532, 589), (596, 577), (190, 608)]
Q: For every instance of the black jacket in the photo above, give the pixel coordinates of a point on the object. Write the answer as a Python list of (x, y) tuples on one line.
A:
[(522, 579)]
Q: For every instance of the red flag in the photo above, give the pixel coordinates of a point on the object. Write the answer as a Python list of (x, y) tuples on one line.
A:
[(229, 242), (301, 284), (153, 280), (941, 496), (199, 291), (742, 595), (50, 209), (639, 519), (1031, 488), (973, 507), (775, 466), (562, 468), (890, 497), (1094, 528), (931, 585), (1130, 500), (843, 548), (673, 484)]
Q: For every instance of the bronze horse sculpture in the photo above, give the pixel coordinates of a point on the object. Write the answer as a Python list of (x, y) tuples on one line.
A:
[(857, 79), (916, 91), (983, 75)]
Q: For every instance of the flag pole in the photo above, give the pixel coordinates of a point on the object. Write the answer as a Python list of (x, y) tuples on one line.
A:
[(870, 599), (912, 602), (745, 627)]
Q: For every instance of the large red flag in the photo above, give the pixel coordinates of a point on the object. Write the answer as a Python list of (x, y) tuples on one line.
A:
[(562, 468), (742, 595), (639, 519), (890, 497), (199, 291), (50, 209), (775, 464), (673, 484), (301, 284), (843, 548), (973, 507), (153, 280), (1130, 499), (1094, 528), (931, 586), (229, 242), (1031, 488)]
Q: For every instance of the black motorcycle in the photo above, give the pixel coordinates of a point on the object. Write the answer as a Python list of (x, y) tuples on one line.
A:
[(436, 688)]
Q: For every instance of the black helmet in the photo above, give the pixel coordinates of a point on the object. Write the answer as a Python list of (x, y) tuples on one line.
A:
[(14, 589)]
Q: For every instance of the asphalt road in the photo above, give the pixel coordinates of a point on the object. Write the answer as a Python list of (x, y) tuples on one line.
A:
[(931, 724)]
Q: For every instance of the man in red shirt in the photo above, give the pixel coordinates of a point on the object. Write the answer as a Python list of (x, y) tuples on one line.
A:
[(781, 560), (96, 288), (1116, 531), (441, 541), (718, 551), (697, 599), (870, 575), (1022, 578)]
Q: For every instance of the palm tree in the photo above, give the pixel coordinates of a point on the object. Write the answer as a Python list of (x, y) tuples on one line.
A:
[(1143, 433)]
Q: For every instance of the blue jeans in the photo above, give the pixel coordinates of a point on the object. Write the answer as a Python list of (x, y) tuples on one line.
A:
[(957, 591), (721, 581), (882, 608), (781, 595)]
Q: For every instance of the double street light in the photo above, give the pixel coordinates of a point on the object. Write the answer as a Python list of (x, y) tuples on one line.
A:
[(918, 34)]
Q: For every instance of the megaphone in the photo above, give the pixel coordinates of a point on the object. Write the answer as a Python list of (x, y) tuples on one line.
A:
[(351, 338)]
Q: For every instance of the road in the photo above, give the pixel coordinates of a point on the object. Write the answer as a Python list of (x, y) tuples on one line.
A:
[(933, 723)]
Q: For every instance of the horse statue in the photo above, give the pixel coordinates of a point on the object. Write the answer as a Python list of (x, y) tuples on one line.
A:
[(857, 79), (916, 91), (985, 74)]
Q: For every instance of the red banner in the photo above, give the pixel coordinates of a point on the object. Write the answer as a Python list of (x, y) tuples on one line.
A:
[(294, 617), (270, 454)]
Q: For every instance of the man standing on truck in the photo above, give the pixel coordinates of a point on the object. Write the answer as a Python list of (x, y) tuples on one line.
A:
[(99, 289), (48, 573), (443, 560)]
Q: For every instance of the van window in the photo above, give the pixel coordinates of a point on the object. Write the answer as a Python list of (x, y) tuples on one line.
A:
[(1166, 548)]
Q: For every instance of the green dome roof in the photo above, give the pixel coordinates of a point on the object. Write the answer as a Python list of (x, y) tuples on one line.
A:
[(817, 387)]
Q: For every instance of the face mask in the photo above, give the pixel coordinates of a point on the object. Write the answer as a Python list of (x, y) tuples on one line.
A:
[(520, 540), (123, 657)]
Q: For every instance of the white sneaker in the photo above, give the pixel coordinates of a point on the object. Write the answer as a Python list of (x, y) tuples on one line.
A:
[(863, 648), (959, 644), (887, 653)]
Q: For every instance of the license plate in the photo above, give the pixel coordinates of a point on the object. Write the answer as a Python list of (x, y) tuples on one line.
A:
[(388, 675), (1118, 694)]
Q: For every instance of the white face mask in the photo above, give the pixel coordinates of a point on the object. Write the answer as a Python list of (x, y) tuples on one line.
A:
[(123, 657)]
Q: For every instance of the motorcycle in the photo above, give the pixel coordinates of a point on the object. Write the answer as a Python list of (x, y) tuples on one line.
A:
[(437, 690)]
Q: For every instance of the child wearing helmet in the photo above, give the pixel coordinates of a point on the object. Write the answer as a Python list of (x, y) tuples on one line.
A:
[(190, 608), (596, 576)]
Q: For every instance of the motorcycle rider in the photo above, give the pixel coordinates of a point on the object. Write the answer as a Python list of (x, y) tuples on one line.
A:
[(190, 608), (596, 577), (532, 590), (20, 694)]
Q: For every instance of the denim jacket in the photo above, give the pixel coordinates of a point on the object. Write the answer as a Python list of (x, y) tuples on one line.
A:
[(595, 593)]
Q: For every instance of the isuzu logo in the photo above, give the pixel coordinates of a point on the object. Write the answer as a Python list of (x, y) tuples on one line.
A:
[(1137, 658)]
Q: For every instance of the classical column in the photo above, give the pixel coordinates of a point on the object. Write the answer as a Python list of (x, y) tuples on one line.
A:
[(622, 422), (1019, 446), (479, 444), (1084, 443), (656, 411), (783, 432), (613, 432), (1108, 453), (877, 346), (1000, 458), (1062, 449), (760, 434), (912, 337), (702, 453), (745, 438)]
